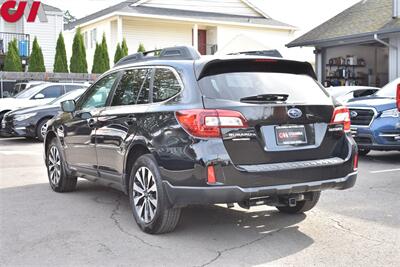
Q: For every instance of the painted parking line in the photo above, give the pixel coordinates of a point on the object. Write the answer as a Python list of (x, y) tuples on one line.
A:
[(21, 152), (11, 139), (382, 171)]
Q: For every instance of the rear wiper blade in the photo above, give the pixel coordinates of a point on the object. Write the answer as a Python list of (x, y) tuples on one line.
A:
[(265, 98)]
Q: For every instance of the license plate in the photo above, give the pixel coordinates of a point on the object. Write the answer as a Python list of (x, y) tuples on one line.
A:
[(290, 135)]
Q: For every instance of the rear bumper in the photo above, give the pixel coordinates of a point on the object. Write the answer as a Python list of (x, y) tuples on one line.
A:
[(185, 195)]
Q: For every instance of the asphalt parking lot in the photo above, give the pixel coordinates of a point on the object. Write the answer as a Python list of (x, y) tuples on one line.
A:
[(94, 225)]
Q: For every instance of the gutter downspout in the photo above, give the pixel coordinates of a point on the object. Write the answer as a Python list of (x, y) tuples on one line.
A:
[(376, 38)]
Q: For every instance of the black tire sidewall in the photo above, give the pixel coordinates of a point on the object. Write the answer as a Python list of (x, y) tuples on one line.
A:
[(63, 176), (149, 162)]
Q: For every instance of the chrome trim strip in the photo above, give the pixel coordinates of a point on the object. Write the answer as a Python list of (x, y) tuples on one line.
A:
[(292, 165)]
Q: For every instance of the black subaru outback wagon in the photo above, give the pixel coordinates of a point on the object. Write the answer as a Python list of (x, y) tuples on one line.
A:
[(179, 129)]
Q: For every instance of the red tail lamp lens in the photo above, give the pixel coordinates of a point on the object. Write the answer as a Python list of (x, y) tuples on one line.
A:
[(398, 97), (207, 123), (211, 179), (355, 163), (341, 115)]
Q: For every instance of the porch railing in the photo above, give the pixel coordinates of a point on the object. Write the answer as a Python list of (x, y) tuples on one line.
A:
[(23, 43)]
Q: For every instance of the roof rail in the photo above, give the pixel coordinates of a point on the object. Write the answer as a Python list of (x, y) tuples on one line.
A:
[(169, 53)]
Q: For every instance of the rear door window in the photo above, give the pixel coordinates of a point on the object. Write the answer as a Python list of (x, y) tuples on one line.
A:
[(133, 88), (166, 85), (237, 85), (53, 91), (70, 87)]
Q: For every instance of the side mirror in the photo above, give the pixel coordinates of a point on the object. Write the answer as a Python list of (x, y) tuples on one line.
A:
[(68, 106), (39, 96)]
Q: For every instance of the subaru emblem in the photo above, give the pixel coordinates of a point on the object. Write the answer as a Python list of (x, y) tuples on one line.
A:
[(353, 114), (294, 113)]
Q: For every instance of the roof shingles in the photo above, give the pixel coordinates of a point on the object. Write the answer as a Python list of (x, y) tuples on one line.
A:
[(127, 8), (367, 16)]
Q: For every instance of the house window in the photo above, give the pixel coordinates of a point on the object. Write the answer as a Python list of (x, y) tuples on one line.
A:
[(93, 38)]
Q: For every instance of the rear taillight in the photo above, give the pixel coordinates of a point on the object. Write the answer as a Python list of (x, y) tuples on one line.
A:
[(398, 97), (341, 115), (355, 163), (207, 123)]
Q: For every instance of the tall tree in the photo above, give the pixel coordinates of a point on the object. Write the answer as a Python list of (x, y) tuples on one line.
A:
[(97, 60), (78, 63), (141, 48), (104, 53), (60, 60), (12, 62), (124, 48), (118, 54), (36, 60)]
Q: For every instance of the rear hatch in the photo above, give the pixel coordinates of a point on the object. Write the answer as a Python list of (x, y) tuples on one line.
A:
[(288, 114)]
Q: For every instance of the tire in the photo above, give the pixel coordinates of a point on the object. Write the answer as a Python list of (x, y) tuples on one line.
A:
[(363, 151), (148, 199), (40, 128), (302, 206), (59, 179)]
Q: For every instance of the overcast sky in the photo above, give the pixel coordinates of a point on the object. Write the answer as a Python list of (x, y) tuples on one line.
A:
[(304, 14)]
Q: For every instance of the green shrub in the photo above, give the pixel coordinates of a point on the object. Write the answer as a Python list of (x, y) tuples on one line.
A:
[(104, 55), (12, 62), (60, 60), (118, 54), (78, 63), (36, 60), (141, 48), (124, 48)]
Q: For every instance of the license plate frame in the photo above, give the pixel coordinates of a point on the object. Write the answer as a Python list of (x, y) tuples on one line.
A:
[(288, 135)]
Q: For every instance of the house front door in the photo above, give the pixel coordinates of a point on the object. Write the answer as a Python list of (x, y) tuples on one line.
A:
[(202, 41)]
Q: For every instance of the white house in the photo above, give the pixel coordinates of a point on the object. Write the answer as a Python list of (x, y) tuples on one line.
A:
[(45, 31), (212, 26)]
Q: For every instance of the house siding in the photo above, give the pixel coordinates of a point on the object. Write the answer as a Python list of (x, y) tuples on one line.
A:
[(47, 35), (233, 7), (155, 34), (250, 39)]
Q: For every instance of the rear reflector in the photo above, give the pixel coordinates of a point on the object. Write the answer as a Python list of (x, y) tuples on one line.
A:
[(398, 97), (341, 115), (355, 163), (211, 179), (207, 123)]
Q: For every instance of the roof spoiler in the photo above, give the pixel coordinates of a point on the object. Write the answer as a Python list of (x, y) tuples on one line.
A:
[(254, 64)]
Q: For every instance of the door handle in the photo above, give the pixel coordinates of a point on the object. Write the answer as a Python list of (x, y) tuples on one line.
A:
[(91, 123)]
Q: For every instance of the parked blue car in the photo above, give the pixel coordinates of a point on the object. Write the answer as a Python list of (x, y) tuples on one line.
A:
[(375, 120)]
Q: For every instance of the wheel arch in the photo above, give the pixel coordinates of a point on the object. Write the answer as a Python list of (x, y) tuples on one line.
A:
[(134, 152), (42, 119), (50, 135)]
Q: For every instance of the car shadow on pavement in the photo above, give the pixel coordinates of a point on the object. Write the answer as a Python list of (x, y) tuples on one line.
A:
[(213, 234), (5, 141), (390, 157)]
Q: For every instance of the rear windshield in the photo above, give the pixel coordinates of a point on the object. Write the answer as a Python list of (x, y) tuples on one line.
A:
[(238, 85)]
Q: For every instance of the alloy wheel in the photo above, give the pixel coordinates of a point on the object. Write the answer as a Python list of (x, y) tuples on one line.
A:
[(54, 165), (145, 194), (43, 130)]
